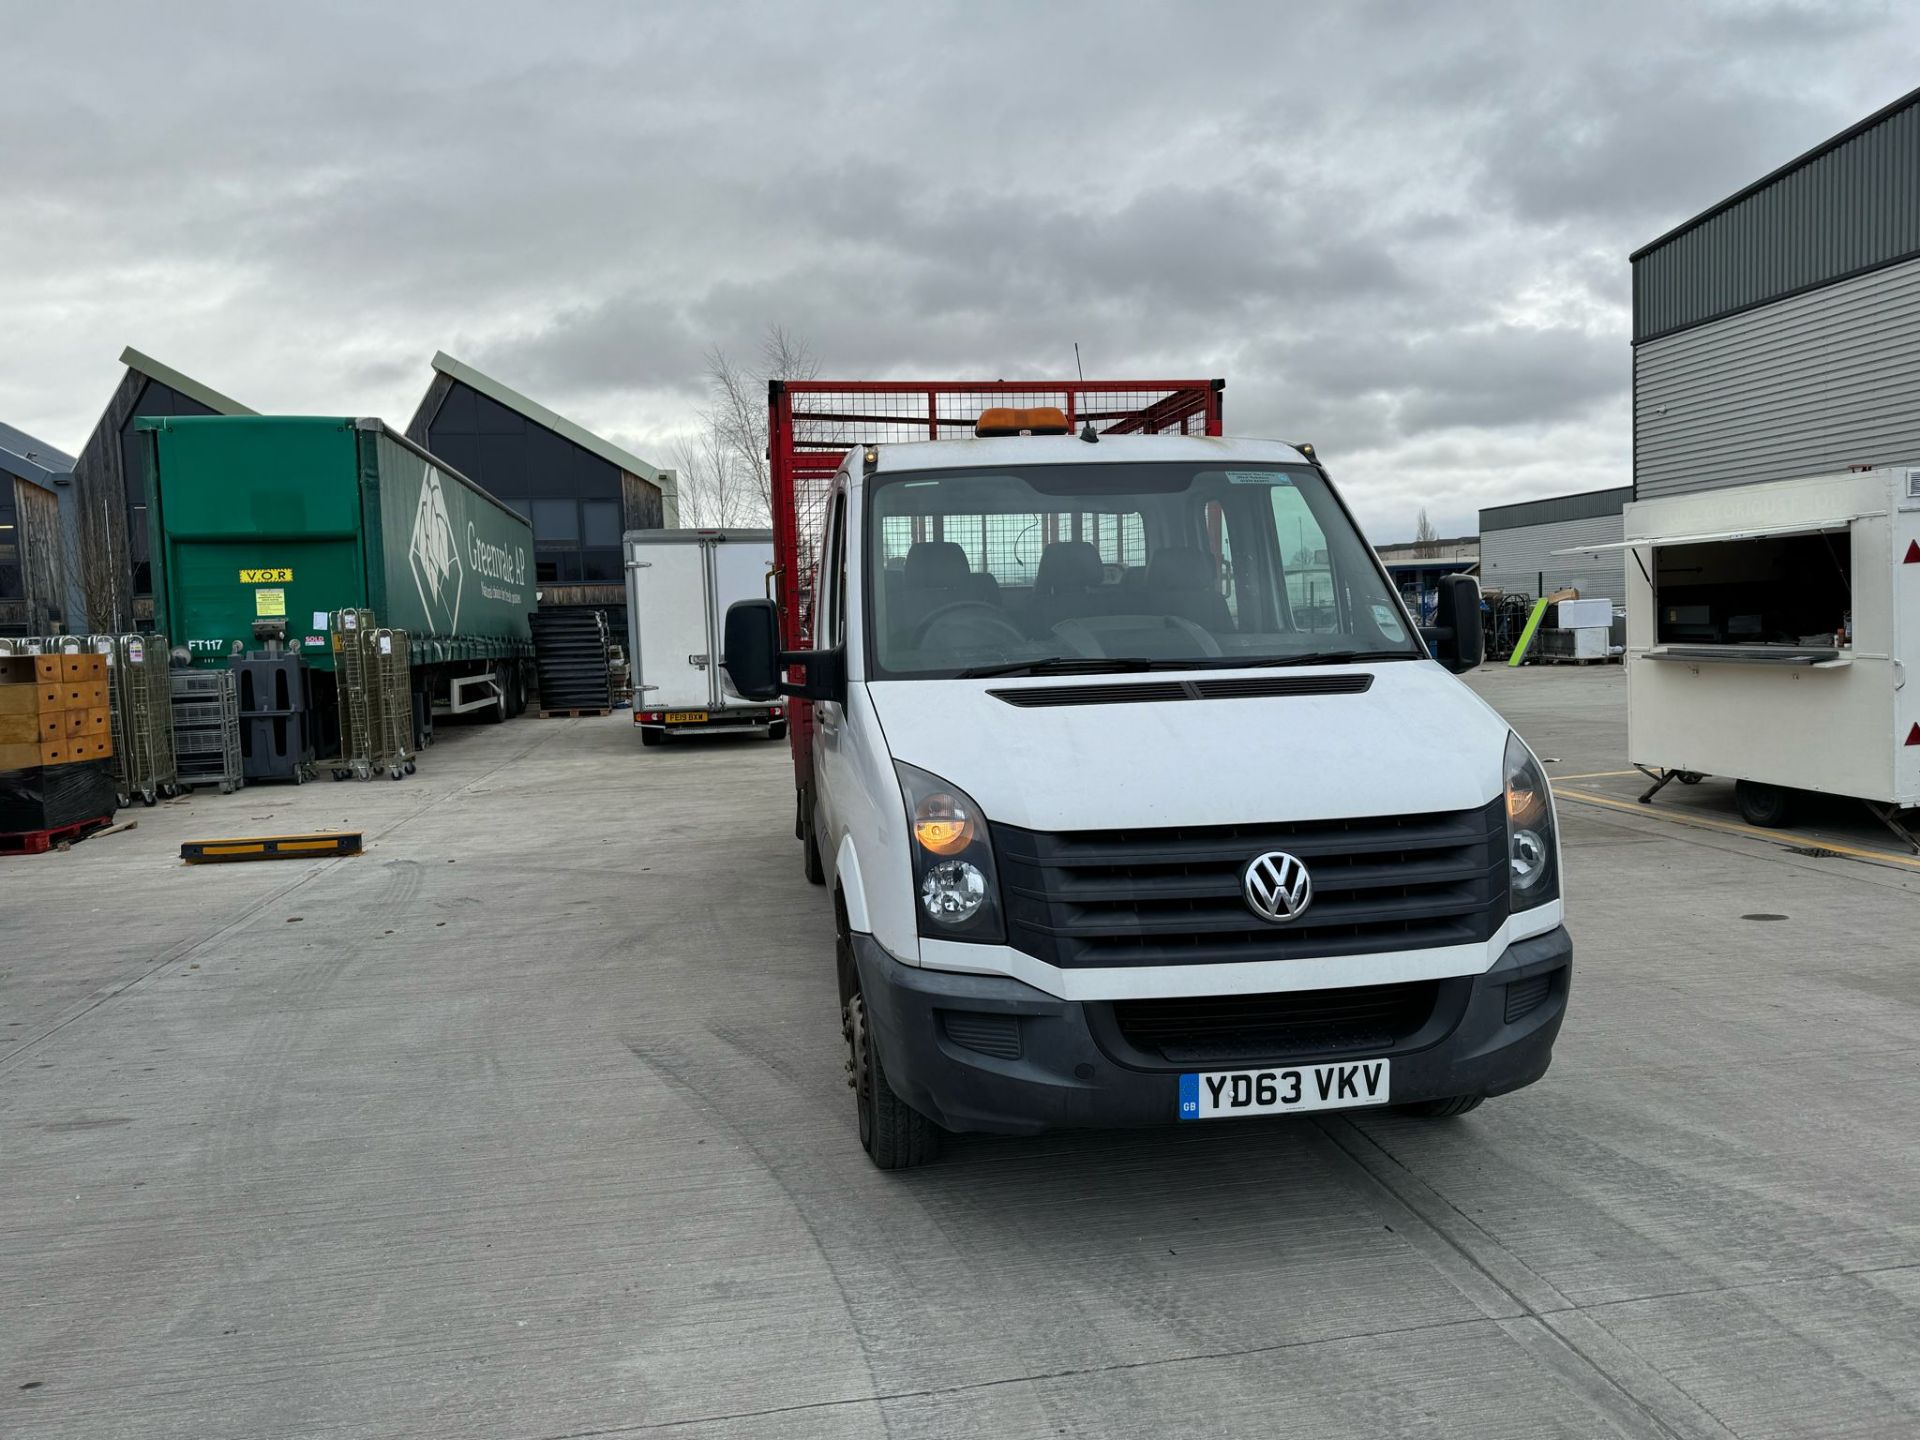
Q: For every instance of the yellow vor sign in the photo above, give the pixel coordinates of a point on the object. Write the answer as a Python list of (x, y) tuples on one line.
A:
[(266, 577)]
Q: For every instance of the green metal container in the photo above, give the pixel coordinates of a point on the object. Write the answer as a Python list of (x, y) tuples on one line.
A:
[(293, 518)]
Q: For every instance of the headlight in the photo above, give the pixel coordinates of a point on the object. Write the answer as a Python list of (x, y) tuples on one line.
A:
[(1533, 851), (956, 890)]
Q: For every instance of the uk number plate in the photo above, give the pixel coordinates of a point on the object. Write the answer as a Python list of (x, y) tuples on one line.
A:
[(1339, 1086), (686, 717)]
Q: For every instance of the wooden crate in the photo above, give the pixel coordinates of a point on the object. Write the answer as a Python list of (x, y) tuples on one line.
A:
[(51, 717)]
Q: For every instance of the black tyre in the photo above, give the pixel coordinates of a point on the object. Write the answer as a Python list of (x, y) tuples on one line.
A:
[(1769, 806), (496, 713), (517, 693), (894, 1134), (1443, 1109), (651, 735), (777, 730)]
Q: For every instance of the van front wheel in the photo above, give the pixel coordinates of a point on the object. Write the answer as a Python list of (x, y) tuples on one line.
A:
[(894, 1134)]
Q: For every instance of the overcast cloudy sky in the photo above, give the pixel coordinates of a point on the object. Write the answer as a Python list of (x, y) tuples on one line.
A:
[(1399, 230)]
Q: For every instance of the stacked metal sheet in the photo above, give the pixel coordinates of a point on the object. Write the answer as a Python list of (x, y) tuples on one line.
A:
[(206, 728), (570, 649)]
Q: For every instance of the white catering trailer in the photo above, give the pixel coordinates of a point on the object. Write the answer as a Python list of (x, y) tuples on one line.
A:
[(1773, 637), (679, 585)]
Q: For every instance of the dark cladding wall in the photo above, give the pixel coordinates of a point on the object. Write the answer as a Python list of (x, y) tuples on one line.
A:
[(155, 399), (573, 497), (111, 495), (1847, 207)]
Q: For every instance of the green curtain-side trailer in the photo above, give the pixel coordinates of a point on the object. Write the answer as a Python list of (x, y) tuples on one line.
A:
[(291, 518)]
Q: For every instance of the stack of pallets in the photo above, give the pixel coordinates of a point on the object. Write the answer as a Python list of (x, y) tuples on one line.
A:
[(570, 649), (206, 729), (56, 750)]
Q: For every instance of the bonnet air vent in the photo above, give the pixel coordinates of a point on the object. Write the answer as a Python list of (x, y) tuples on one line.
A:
[(1251, 687)]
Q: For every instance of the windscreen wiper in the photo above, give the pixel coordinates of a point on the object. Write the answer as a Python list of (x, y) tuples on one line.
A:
[(1075, 665)]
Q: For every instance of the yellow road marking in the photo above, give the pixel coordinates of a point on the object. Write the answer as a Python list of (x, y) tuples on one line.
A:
[(1772, 837), (1594, 775)]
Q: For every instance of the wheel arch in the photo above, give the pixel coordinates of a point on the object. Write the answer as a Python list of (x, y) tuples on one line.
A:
[(849, 885)]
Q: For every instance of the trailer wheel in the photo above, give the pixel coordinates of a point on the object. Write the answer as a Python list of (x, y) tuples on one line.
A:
[(1443, 1109), (496, 713), (894, 1134), (1768, 806)]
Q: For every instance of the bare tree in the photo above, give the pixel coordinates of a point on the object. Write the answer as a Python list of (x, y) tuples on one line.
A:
[(712, 492), (102, 579), (1426, 540), (736, 418)]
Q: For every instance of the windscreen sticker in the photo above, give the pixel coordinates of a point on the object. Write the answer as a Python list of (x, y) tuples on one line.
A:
[(1257, 477), (1388, 622)]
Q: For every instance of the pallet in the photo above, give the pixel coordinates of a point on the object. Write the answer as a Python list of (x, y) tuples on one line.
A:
[(572, 714), (38, 842)]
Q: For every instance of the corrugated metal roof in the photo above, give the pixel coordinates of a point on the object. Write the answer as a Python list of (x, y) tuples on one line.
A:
[(1849, 205), (1555, 509), (32, 460)]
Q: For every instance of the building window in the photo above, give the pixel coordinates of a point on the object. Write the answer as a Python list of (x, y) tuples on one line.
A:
[(12, 581), (600, 564), (556, 522), (600, 522)]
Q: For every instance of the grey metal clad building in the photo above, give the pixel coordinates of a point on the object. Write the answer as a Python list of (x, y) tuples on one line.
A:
[(1778, 333), (1517, 545), (110, 545), (580, 491)]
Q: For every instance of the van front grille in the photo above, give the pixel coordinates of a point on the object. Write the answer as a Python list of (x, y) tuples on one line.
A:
[(1099, 898), (1293, 1025)]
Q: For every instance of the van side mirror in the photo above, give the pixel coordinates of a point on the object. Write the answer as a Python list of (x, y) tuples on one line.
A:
[(754, 663), (750, 649), (1455, 637)]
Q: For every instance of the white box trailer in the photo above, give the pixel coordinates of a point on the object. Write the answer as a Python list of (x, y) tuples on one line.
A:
[(1773, 637), (679, 585)]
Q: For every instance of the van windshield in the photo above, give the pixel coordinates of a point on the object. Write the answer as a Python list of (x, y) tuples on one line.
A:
[(1122, 566)]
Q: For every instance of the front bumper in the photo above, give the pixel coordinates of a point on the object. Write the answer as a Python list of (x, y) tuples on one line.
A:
[(987, 1053)]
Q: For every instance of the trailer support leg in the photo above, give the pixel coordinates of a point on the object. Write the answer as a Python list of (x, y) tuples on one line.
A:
[(1889, 816), (1660, 782)]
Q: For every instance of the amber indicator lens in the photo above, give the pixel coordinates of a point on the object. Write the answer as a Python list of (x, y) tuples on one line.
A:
[(942, 825)]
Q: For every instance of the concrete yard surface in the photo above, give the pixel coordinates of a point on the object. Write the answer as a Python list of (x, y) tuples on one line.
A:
[(532, 1122)]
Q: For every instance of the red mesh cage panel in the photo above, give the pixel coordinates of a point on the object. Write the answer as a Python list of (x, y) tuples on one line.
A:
[(813, 424)]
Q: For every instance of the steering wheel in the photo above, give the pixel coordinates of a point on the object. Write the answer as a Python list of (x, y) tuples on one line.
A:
[(971, 611)]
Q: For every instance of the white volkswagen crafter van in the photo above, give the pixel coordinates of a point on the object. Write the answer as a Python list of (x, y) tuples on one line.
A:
[(1143, 801)]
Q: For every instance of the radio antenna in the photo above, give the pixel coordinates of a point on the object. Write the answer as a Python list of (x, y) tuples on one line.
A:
[(1087, 432)]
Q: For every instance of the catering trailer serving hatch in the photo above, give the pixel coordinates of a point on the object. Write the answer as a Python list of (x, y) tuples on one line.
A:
[(1773, 637)]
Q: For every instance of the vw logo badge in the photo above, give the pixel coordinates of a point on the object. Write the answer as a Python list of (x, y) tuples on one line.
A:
[(1278, 887)]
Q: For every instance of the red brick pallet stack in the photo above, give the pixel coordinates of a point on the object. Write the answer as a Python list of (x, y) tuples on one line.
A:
[(56, 751)]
